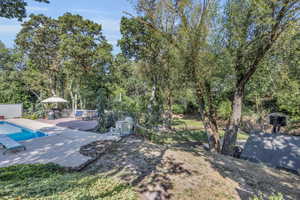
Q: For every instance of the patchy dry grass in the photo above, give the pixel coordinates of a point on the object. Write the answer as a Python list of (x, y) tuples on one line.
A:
[(187, 172)]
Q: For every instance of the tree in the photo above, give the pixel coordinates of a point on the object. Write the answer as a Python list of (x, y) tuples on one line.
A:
[(184, 27), (15, 8), (86, 57), (67, 56), (149, 49), (287, 90), (11, 84), (251, 29), (38, 40), (199, 59)]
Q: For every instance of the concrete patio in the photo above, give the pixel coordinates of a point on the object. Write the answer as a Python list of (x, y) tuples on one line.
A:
[(72, 123), (61, 146)]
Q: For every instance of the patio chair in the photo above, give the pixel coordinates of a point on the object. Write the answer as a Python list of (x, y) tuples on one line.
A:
[(10, 144), (78, 114)]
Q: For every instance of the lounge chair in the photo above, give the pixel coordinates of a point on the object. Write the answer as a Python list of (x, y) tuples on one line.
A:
[(10, 144), (86, 114), (78, 114)]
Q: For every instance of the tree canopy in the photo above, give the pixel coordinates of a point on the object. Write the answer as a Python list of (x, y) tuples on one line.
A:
[(219, 60), (15, 8)]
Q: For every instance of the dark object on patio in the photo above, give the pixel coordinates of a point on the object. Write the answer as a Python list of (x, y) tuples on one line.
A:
[(1, 117), (277, 120), (279, 151), (237, 151)]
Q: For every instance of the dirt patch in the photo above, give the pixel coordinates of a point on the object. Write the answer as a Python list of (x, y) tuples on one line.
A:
[(131, 159), (256, 178), (188, 172), (95, 149)]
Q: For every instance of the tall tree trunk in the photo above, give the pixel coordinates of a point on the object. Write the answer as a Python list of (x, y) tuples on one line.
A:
[(212, 134), (75, 101), (169, 111), (209, 122), (234, 124), (155, 106), (52, 86)]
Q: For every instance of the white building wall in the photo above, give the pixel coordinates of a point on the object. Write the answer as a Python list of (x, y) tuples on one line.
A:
[(11, 110)]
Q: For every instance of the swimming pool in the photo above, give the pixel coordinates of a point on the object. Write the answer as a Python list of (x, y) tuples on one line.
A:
[(18, 133)]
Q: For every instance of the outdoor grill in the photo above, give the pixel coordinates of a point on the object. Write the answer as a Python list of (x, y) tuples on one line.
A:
[(277, 120)]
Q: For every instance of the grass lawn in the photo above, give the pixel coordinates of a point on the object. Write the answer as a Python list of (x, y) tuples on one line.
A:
[(187, 123), (52, 182), (192, 129)]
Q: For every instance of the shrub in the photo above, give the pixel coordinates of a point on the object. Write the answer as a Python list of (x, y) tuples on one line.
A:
[(191, 108), (31, 116), (52, 182), (224, 110), (277, 196), (178, 109)]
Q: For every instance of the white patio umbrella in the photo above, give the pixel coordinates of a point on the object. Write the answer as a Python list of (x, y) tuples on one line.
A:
[(54, 99)]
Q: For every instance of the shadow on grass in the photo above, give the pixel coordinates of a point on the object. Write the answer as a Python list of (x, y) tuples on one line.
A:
[(136, 161)]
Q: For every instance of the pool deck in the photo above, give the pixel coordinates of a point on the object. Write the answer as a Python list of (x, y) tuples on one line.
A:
[(61, 146), (72, 123)]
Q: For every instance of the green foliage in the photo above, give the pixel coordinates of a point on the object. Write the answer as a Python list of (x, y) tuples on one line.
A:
[(22, 172), (177, 56), (52, 182), (67, 56), (178, 109), (15, 8), (157, 64), (224, 110), (277, 196), (31, 116)]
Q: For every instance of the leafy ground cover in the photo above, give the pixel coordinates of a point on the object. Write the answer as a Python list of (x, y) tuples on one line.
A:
[(52, 182)]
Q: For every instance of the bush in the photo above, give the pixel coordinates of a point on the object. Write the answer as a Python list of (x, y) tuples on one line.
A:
[(277, 196), (224, 110), (31, 116), (191, 108), (52, 182), (178, 109)]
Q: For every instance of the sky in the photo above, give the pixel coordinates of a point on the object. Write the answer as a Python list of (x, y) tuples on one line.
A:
[(105, 12)]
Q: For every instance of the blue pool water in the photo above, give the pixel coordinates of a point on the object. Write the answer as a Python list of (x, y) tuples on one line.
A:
[(18, 133)]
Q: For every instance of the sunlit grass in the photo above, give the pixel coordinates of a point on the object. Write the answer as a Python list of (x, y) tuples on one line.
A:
[(193, 125), (187, 124)]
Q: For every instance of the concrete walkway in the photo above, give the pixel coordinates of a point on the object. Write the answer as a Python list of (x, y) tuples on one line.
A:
[(61, 146)]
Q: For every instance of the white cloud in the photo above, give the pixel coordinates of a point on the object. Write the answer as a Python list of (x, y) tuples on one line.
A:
[(8, 29), (35, 8)]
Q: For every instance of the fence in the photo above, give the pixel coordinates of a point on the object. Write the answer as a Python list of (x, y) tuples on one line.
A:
[(11, 110)]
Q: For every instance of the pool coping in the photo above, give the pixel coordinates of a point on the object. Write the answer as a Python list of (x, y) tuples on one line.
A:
[(61, 146)]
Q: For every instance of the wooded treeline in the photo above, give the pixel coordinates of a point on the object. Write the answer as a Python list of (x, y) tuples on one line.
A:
[(218, 59)]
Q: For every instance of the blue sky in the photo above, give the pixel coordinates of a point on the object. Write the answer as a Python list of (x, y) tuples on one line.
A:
[(105, 12)]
